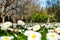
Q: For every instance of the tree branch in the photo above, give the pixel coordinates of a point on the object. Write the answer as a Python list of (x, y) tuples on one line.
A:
[(9, 2), (12, 9)]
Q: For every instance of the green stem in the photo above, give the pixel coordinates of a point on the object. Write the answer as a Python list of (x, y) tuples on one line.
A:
[(7, 32)]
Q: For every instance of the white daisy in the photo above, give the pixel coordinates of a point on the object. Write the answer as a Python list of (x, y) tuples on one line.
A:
[(58, 36), (6, 25), (57, 30), (57, 24), (52, 36), (36, 27), (50, 31), (35, 36), (19, 22), (28, 32), (48, 25), (29, 28), (42, 25), (10, 29), (6, 38)]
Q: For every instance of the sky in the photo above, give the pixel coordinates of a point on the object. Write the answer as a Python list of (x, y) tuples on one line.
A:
[(42, 3)]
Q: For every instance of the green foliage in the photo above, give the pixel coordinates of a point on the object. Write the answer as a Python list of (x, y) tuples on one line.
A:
[(53, 19), (58, 15), (53, 8), (20, 37), (39, 17)]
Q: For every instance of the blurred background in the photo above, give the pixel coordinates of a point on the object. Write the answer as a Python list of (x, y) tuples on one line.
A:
[(30, 11)]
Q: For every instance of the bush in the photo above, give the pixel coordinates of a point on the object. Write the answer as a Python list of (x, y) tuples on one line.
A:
[(39, 17)]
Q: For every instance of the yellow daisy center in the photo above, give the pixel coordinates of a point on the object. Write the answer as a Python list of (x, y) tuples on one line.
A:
[(6, 38), (34, 36), (52, 35)]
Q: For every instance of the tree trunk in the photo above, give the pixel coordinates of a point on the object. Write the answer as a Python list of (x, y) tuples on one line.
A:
[(14, 21), (8, 18), (3, 19)]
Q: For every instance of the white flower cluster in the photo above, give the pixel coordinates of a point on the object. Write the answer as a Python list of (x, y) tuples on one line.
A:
[(7, 25), (30, 32), (50, 25), (33, 32)]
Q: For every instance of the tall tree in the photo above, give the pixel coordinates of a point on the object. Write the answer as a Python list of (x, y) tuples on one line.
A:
[(27, 8), (5, 4), (54, 7), (19, 8)]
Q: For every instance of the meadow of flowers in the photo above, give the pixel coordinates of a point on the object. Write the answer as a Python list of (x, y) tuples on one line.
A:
[(21, 31)]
